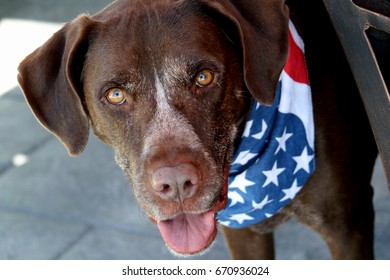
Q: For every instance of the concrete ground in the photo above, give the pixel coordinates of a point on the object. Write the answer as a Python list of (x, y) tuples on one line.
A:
[(53, 206)]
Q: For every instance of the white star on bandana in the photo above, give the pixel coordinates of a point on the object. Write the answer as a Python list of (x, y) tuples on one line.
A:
[(291, 192), (260, 135), (272, 175), (263, 203), (240, 182), (247, 130), (282, 141), (244, 157), (240, 218), (303, 161), (235, 198)]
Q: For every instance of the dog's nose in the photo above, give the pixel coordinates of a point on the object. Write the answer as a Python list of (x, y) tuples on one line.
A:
[(176, 183)]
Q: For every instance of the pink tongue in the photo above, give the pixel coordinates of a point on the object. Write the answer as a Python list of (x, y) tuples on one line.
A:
[(189, 233)]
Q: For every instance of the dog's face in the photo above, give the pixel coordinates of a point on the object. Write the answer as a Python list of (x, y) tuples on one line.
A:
[(166, 94), (165, 84)]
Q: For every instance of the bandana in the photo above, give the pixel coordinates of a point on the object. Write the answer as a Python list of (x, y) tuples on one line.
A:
[(275, 157)]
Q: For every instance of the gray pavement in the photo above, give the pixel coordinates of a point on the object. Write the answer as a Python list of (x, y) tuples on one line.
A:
[(53, 206)]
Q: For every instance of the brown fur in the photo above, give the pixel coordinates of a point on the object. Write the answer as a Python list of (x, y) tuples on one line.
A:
[(150, 47)]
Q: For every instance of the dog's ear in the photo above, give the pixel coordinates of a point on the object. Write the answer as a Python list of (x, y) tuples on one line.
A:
[(50, 79), (262, 27)]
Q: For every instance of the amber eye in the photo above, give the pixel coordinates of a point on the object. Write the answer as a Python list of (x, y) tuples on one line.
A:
[(116, 96), (204, 78)]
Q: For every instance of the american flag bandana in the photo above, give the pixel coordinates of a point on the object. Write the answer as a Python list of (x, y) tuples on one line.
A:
[(275, 157)]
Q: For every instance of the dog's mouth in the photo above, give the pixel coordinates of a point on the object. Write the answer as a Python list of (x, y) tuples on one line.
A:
[(190, 234)]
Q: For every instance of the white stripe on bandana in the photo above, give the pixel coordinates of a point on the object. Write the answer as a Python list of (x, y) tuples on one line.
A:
[(275, 157)]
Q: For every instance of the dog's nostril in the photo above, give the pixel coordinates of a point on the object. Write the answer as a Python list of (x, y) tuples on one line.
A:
[(165, 188), (188, 184)]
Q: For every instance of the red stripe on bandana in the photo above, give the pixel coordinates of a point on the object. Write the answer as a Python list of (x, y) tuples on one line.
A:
[(295, 66)]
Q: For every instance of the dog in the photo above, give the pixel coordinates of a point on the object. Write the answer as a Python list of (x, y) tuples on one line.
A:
[(168, 84)]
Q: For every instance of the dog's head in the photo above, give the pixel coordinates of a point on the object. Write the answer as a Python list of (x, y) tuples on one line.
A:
[(165, 84)]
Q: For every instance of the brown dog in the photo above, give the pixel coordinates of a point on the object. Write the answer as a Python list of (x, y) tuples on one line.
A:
[(168, 83)]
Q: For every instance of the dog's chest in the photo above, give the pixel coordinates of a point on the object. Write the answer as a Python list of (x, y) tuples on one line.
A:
[(275, 157)]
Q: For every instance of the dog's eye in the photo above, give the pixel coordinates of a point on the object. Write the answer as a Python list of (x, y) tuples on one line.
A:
[(116, 96), (204, 78)]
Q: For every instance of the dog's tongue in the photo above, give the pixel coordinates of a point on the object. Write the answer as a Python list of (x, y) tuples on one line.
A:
[(189, 234)]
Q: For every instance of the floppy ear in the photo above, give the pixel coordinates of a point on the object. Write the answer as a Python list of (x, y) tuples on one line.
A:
[(50, 80), (263, 31)]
